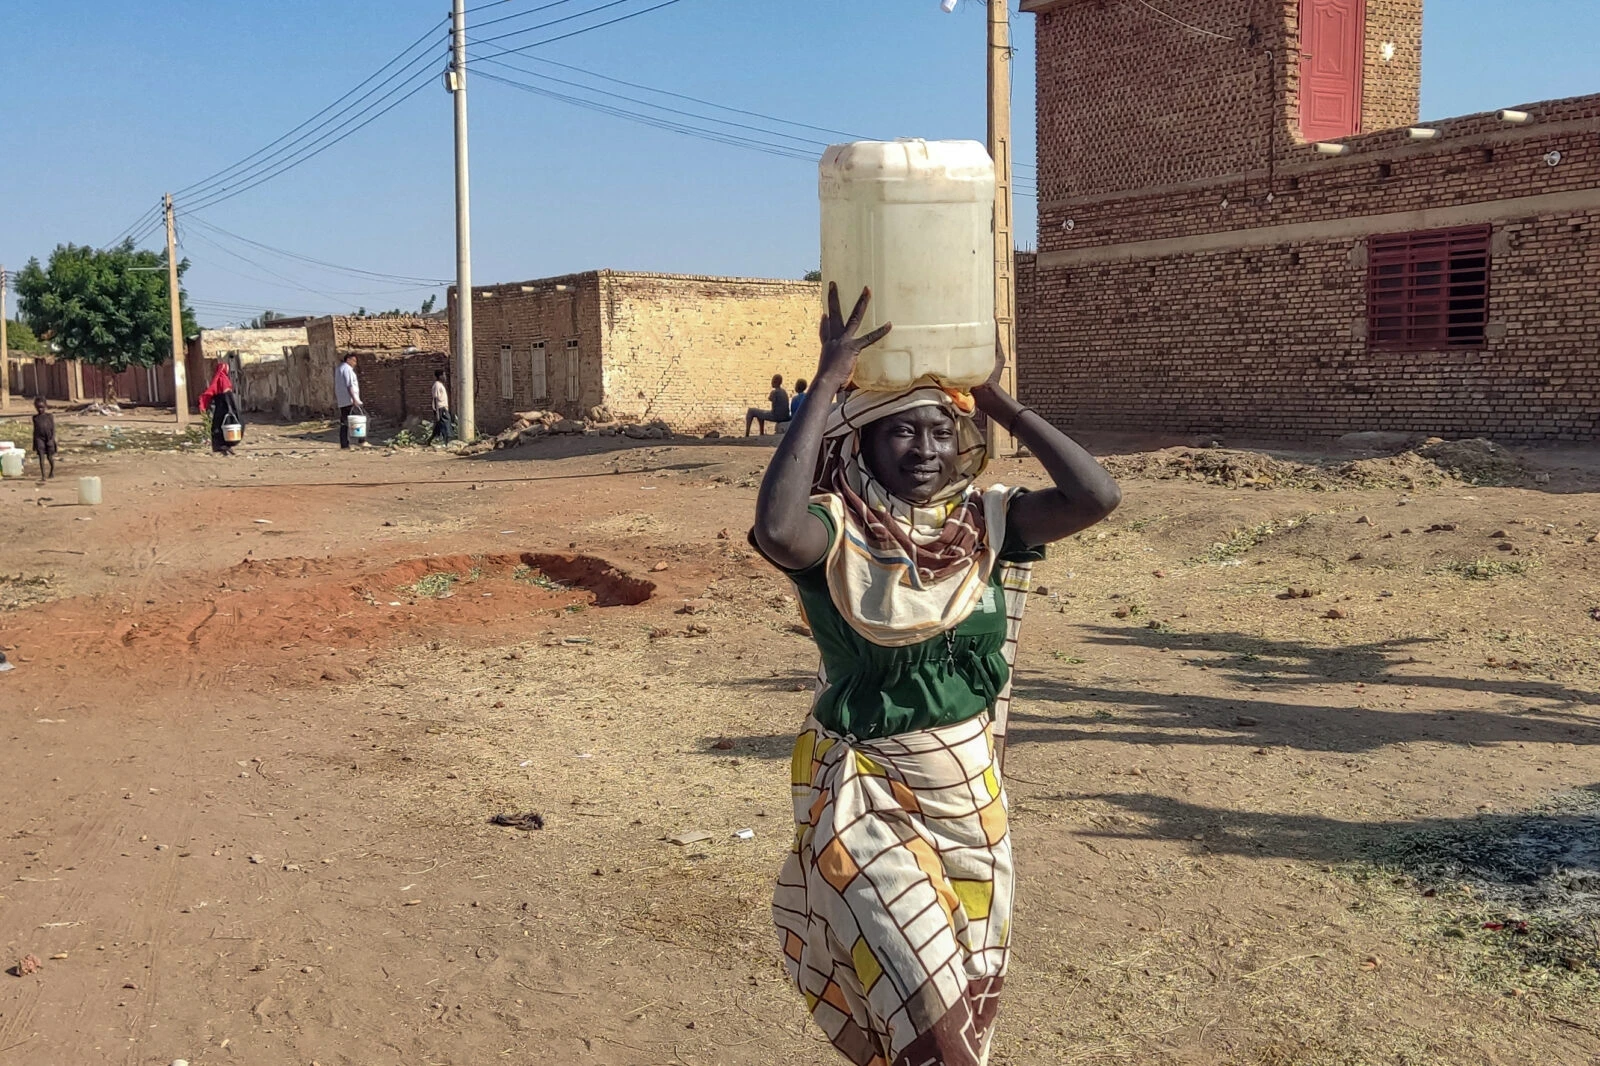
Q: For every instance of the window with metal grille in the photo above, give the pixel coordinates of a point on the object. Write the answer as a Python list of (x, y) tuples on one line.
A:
[(506, 379), (538, 375), (1429, 290)]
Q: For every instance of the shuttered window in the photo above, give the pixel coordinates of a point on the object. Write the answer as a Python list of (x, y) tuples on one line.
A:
[(1428, 291), (507, 379), (538, 375)]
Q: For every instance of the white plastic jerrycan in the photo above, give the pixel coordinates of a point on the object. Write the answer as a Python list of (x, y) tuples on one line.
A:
[(914, 220)]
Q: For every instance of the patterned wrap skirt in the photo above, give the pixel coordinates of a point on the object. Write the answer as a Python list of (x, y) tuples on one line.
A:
[(893, 907)]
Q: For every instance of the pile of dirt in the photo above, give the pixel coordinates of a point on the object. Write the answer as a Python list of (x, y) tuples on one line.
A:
[(1215, 466), (530, 426), (1433, 463), (1476, 461)]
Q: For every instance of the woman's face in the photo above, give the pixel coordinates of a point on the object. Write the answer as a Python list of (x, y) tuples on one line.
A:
[(912, 454)]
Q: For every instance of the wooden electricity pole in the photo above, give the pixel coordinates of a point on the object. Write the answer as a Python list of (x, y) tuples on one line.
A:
[(1005, 252), (180, 389)]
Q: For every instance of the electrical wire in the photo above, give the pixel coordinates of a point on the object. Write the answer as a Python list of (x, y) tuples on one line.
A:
[(660, 107), (720, 136), (133, 227), (312, 150), (523, 50), (734, 140), (1176, 21), (292, 283), (194, 188), (371, 274)]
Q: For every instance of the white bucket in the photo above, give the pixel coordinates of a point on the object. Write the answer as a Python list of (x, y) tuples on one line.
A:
[(232, 430), (89, 491), (358, 427), (11, 460)]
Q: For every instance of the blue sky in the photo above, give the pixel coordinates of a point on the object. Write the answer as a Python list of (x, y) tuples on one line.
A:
[(109, 104)]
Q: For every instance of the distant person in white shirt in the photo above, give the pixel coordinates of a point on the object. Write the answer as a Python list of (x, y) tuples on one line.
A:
[(441, 410), (346, 394)]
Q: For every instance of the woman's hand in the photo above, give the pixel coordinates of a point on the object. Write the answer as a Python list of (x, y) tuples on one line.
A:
[(840, 345)]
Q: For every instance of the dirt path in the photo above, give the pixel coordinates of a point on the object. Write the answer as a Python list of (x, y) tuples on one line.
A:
[(256, 731)]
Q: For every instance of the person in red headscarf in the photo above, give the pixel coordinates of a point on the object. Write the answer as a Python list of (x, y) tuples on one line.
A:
[(220, 399)]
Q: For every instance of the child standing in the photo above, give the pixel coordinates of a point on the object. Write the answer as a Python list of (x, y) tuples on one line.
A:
[(44, 436)]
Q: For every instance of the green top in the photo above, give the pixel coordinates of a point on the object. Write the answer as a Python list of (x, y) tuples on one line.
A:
[(874, 691)]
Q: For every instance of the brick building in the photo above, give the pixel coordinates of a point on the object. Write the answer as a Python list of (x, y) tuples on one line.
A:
[(396, 359), (1243, 230), (693, 351)]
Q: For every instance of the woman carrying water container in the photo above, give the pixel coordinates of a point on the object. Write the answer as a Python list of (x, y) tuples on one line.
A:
[(227, 429), (893, 907)]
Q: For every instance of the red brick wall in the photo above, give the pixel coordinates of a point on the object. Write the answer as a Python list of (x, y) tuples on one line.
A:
[(1127, 99), (1214, 309)]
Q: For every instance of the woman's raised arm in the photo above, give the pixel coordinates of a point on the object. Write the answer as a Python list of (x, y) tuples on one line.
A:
[(785, 530), (1084, 493)]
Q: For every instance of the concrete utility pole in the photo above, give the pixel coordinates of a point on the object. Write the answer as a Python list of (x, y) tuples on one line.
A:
[(467, 422), (5, 352), (180, 389), (1005, 251)]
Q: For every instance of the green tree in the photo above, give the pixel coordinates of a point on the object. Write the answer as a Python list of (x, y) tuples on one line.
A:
[(813, 275), (107, 307), (265, 319), (427, 305), (20, 338)]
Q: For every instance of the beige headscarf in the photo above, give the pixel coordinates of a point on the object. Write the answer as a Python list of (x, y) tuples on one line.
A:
[(898, 572)]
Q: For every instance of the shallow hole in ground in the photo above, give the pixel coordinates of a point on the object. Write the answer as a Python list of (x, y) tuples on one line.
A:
[(435, 576)]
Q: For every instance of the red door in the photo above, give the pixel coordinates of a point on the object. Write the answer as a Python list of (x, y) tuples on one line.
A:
[(1332, 35)]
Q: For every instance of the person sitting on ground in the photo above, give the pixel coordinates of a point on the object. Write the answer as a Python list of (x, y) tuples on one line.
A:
[(442, 425), (220, 400), (799, 399), (776, 411), (44, 436)]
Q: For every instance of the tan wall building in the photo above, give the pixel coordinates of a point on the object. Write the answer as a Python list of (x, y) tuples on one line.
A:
[(396, 358), (259, 360), (692, 351)]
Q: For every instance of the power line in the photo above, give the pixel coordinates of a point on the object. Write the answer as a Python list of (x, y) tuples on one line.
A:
[(552, 22), (1176, 21), (132, 227), (292, 283), (372, 274), (720, 136), (735, 140), (311, 151), (522, 50), (221, 174), (659, 107)]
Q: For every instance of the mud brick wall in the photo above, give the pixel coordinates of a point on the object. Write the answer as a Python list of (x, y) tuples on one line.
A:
[(399, 389), (1128, 100), (391, 333), (510, 321), (697, 351), (385, 366)]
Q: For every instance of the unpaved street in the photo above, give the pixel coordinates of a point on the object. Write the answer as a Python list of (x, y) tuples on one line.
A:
[(1305, 765)]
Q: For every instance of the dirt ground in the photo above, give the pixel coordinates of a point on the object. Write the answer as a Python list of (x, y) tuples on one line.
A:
[(1304, 764)]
